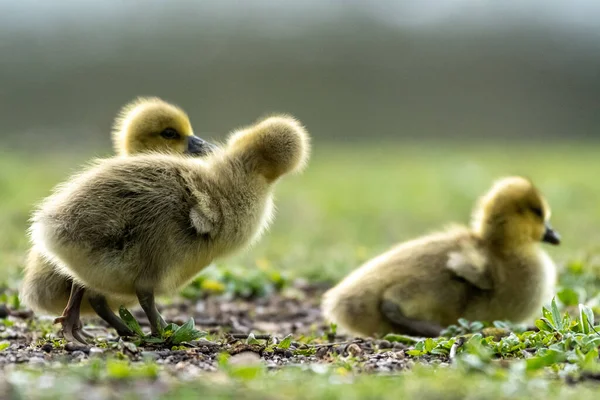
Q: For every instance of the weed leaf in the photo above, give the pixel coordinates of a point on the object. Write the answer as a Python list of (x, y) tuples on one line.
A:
[(130, 321)]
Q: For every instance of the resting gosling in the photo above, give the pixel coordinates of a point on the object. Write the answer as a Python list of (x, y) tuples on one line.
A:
[(146, 124), (493, 271), (146, 225)]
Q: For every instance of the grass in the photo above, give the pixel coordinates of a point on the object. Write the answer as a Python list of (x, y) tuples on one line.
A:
[(306, 382), (352, 203)]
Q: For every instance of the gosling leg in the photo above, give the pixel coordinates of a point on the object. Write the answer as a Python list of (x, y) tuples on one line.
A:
[(71, 325), (83, 332), (146, 299), (406, 325), (79, 325), (100, 305)]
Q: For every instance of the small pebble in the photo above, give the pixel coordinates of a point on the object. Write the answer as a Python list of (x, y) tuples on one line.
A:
[(353, 349), (71, 347), (150, 355), (384, 344), (3, 311), (10, 334), (78, 355), (96, 351), (47, 347), (203, 342), (245, 358), (322, 352), (131, 347)]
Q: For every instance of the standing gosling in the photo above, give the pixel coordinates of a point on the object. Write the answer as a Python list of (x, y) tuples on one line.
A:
[(494, 271), (145, 225), (146, 124)]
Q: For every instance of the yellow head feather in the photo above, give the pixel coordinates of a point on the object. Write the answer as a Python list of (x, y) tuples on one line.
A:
[(141, 125)]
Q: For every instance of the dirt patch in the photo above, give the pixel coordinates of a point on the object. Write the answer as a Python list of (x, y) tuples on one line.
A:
[(228, 321)]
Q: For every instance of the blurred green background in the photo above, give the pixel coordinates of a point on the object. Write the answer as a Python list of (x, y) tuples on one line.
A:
[(350, 69), (415, 108)]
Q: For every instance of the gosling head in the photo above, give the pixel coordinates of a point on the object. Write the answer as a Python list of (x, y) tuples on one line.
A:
[(151, 124), (514, 213), (273, 147)]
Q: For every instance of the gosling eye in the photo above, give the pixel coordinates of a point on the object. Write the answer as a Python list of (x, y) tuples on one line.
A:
[(537, 211), (170, 134)]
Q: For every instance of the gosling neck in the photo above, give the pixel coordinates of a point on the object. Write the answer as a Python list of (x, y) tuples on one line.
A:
[(498, 240)]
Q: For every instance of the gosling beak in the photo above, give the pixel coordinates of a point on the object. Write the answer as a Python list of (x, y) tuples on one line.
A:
[(551, 236), (198, 147)]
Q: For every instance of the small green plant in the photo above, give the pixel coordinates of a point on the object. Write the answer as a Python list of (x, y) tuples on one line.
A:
[(309, 351), (130, 321), (393, 337), (586, 319), (438, 346), (331, 332), (463, 328), (252, 339), (123, 369), (560, 341), (285, 343), (11, 299), (237, 281), (171, 335), (571, 297)]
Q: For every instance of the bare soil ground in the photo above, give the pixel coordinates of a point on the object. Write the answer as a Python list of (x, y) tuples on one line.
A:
[(227, 321)]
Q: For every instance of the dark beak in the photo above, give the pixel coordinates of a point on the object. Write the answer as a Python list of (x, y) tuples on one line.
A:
[(198, 147), (551, 236)]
